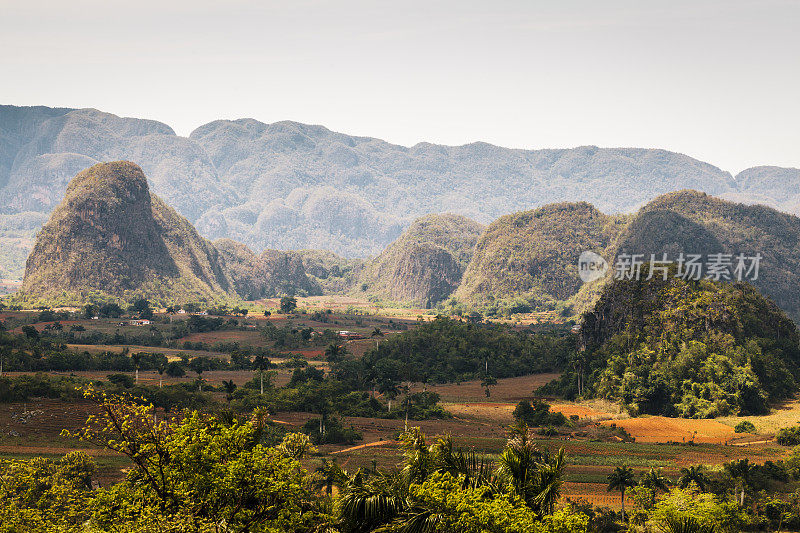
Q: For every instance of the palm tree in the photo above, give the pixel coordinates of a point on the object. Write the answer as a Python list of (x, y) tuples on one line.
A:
[(229, 386), (740, 472), (368, 503), (536, 477), (517, 464), (693, 474), (655, 481), (417, 456), (550, 479), (621, 479), (161, 369), (371, 499), (137, 360), (389, 388), (260, 363), (476, 471), (335, 353), (375, 334), (685, 524)]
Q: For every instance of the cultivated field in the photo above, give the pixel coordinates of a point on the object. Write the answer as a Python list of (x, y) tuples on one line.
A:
[(477, 421)]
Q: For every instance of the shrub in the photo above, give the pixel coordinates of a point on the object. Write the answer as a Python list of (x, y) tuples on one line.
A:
[(175, 370), (788, 436), (537, 414), (745, 426), (123, 380)]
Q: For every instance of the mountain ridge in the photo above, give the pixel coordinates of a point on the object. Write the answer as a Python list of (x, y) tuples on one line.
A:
[(289, 185)]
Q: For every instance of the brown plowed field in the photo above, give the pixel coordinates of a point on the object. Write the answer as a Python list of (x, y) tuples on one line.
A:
[(663, 429)]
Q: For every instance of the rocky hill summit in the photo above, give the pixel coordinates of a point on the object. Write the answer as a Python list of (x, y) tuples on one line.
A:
[(111, 236), (426, 263)]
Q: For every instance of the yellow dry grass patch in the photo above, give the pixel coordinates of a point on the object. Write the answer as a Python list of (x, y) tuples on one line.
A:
[(582, 410), (502, 412), (497, 412), (786, 414)]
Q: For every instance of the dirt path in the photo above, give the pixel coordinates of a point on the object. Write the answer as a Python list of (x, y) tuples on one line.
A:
[(368, 445)]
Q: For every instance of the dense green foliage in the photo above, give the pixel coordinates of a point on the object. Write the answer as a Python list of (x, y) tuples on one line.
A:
[(440, 488), (445, 350), (688, 348), (23, 388), (195, 472), (788, 436), (537, 414)]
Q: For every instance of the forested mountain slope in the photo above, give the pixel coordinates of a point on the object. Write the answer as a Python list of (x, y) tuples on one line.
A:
[(695, 349), (531, 258)]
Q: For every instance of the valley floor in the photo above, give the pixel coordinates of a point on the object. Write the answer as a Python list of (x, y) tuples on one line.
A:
[(33, 429)]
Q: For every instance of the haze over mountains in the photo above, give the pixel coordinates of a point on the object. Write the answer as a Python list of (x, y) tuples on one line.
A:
[(291, 186)]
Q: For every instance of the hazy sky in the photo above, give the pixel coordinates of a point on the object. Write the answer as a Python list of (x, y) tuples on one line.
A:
[(718, 80)]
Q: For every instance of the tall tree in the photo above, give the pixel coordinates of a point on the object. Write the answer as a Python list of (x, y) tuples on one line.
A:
[(229, 387), (334, 353), (693, 474), (655, 481), (137, 361), (621, 479), (260, 363), (740, 471), (376, 334), (288, 304), (199, 365)]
